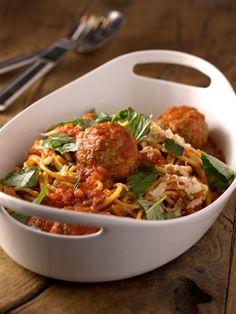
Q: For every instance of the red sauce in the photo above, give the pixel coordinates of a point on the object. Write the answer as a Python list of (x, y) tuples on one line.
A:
[(62, 196), (108, 153), (69, 129), (90, 115), (88, 193), (61, 228)]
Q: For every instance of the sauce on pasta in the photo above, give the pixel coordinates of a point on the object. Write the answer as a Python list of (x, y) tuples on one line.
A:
[(125, 165)]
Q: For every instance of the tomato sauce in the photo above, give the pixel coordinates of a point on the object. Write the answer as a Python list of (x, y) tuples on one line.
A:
[(107, 153), (61, 228), (69, 129)]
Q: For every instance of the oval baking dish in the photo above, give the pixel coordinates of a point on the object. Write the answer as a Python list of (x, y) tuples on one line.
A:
[(122, 247)]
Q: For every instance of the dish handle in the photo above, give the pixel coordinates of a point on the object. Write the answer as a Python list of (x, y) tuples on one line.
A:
[(218, 82), (107, 224)]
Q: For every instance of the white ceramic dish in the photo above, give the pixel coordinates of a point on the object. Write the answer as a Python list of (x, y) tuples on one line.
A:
[(123, 247)]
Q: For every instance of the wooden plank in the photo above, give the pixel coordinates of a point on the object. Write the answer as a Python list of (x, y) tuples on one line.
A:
[(17, 284), (231, 302)]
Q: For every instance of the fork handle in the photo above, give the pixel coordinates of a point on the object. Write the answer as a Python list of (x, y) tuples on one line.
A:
[(18, 85), (19, 61)]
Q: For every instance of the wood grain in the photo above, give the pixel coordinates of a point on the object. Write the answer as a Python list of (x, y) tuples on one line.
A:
[(17, 285), (203, 280), (230, 301)]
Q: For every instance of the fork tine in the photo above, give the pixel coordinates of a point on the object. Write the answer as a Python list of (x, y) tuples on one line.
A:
[(105, 21), (80, 28)]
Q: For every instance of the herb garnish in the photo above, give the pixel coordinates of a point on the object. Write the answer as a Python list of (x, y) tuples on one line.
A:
[(219, 175), (19, 217), (153, 211), (61, 142), (142, 180), (173, 147), (136, 123), (43, 192), (26, 177), (100, 117)]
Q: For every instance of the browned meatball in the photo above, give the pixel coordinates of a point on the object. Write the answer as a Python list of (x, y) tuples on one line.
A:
[(110, 146), (186, 121)]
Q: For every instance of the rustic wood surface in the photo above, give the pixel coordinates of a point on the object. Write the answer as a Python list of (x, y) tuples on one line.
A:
[(203, 280)]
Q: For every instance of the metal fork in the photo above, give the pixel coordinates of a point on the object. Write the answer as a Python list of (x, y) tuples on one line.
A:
[(92, 32)]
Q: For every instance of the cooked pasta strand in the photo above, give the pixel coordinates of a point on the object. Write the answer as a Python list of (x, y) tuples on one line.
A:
[(27, 190), (112, 197), (56, 174)]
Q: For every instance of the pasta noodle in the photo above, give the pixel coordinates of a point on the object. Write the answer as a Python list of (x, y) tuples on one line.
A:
[(108, 167)]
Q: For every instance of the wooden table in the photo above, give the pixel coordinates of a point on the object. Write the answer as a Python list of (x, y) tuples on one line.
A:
[(203, 280)]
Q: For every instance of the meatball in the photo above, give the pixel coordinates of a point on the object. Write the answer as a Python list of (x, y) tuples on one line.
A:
[(110, 146), (186, 121)]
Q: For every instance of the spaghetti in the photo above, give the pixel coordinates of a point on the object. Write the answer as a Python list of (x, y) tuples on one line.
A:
[(124, 165)]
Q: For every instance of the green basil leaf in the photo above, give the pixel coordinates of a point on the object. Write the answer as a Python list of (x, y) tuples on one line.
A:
[(137, 124), (42, 193), (83, 123), (20, 217), (144, 203), (26, 177), (121, 115), (61, 142), (148, 168), (57, 140), (73, 122), (153, 211), (69, 147), (101, 117), (219, 175), (175, 148), (143, 127), (142, 180), (86, 123)]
